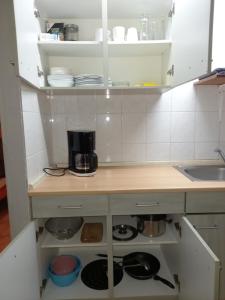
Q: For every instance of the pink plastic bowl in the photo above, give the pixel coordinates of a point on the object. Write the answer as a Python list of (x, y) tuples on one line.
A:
[(63, 264)]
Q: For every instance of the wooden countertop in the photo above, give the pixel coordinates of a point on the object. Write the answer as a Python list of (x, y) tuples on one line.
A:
[(129, 179)]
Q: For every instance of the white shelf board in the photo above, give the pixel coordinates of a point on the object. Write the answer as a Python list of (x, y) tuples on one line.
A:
[(49, 241), (74, 90), (130, 287), (77, 290), (71, 48), (169, 237), (139, 48), (57, 9)]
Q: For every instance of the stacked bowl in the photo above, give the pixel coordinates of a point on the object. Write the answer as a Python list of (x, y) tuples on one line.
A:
[(60, 77), (64, 269)]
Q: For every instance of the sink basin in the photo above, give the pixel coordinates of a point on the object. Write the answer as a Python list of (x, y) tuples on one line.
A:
[(203, 173)]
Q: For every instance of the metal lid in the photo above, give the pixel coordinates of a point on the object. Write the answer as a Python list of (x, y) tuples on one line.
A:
[(74, 26)]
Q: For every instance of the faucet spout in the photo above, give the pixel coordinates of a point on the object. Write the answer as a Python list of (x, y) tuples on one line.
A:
[(221, 153)]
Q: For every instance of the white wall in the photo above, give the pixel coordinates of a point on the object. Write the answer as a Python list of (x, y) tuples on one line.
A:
[(36, 115), (182, 124)]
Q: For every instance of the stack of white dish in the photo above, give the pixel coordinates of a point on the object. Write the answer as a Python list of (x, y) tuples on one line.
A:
[(60, 77), (88, 80)]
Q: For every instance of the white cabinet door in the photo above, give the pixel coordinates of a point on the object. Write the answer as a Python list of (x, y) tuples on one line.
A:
[(198, 266), (27, 30), (19, 268), (191, 32)]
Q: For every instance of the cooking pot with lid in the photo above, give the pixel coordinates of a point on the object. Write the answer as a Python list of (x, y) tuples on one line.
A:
[(151, 225)]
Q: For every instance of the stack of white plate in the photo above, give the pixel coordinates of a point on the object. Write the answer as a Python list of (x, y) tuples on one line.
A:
[(88, 80), (60, 80), (60, 71)]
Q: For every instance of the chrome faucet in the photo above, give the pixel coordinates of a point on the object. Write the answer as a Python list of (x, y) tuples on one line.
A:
[(221, 153)]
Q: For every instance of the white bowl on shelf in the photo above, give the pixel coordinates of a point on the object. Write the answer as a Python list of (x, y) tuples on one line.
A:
[(60, 71)]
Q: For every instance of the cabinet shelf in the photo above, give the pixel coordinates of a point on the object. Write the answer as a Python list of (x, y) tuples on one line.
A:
[(71, 48), (139, 48), (215, 79), (130, 287), (49, 241), (74, 90), (77, 290), (168, 237)]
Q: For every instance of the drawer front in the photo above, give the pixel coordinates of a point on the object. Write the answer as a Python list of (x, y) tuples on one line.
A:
[(147, 203), (205, 202), (45, 207)]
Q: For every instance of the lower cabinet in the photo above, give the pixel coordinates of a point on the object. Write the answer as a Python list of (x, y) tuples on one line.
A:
[(180, 256)]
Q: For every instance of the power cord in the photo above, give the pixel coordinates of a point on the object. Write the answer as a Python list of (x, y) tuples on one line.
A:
[(50, 171)]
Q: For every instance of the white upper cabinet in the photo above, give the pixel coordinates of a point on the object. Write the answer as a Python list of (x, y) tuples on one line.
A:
[(19, 268), (191, 36), (27, 30), (178, 48)]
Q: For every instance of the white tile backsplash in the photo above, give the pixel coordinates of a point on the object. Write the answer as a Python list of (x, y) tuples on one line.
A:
[(181, 124), (158, 127)]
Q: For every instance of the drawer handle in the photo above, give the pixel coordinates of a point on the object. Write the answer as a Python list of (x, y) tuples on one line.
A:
[(207, 227), (70, 207), (147, 205)]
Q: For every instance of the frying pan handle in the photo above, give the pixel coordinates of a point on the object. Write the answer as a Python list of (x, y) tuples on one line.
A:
[(163, 280), (105, 255)]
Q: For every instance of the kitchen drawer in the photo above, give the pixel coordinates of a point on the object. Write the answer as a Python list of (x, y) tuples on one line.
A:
[(205, 202), (147, 203), (45, 207)]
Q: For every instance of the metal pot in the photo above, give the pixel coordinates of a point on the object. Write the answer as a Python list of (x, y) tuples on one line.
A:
[(151, 225)]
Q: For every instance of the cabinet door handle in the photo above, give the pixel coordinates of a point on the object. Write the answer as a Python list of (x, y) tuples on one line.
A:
[(147, 205), (70, 207), (207, 227)]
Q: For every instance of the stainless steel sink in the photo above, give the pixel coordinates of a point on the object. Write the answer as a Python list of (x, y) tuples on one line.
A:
[(203, 173)]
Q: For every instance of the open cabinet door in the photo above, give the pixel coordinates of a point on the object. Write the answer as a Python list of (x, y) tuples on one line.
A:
[(19, 278), (198, 266), (27, 30), (191, 39)]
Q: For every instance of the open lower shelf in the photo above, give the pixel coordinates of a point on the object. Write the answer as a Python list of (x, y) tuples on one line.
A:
[(77, 290), (139, 48), (169, 237), (71, 48), (130, 287), (49, 241)]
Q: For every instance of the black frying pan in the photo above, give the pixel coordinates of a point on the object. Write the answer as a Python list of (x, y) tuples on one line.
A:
[(142, 266)]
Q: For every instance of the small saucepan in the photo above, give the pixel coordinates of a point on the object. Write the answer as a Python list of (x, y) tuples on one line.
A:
[(142, 266)]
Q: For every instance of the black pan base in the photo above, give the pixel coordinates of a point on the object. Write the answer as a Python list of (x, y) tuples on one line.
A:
[(94, 274)]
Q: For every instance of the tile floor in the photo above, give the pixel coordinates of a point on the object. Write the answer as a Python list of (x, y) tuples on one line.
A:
[(4, 226)]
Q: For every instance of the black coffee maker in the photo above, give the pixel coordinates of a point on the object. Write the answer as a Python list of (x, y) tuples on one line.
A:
[(83, 160)]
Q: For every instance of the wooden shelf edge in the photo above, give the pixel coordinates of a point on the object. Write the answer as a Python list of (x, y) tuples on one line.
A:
[(215, 79)]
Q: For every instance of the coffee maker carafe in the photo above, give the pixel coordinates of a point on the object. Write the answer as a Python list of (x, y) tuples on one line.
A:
[(83, 160)]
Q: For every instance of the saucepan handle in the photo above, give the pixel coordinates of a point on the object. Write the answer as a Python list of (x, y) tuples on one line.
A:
[(163, 280)]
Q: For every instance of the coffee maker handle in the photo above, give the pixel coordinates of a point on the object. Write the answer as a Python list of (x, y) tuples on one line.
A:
[(140, 224)]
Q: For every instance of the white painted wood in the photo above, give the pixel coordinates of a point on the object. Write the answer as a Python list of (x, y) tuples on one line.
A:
[(12, 123), (148, 203), (205, 202), (27, 30), (218, 42), (198, 266), (124, 9), (67, 48), (140, 48), (77, 290), (211, 228), (69, 9), (49, 241), (67, 206), (190, 36), (130, 287), (19, 268)]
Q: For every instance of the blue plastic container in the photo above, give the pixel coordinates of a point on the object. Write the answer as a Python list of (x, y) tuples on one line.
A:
[(68, 279)]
